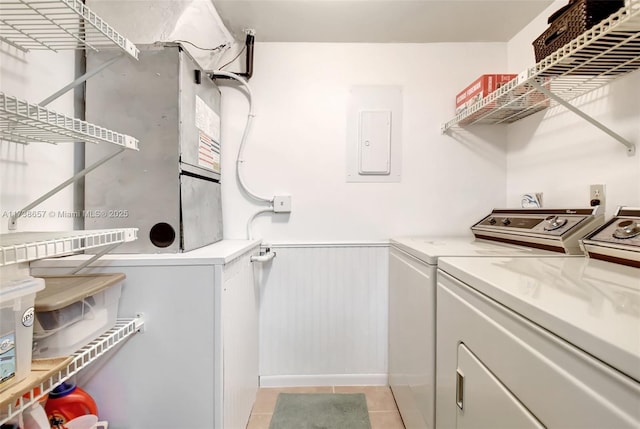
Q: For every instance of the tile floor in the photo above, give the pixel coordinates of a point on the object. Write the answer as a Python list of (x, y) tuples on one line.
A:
[(383, 412)]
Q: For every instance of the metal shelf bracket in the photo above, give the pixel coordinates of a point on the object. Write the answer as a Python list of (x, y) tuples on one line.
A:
[(631, 147), (13, 220), (103, 251), (80, 80), (139, 322)]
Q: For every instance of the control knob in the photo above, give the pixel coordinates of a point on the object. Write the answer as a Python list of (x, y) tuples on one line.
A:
[(554, 222), (492, 220), (506, 221), (627, 229)]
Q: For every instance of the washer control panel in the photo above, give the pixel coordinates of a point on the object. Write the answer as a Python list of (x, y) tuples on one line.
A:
[(552, 229), (553, 224), (618, 240)]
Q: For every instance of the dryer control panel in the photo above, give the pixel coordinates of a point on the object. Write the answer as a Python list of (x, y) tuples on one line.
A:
[(618, 240), (557, 230)]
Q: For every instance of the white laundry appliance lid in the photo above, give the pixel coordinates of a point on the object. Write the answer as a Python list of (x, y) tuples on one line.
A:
[(429, 249), (592, 304), (506, 232)]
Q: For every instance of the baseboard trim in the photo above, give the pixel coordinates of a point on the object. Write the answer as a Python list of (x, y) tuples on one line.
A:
[(347, 244), (324, 380)]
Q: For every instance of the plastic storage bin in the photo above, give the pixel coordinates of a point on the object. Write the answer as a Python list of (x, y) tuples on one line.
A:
[(72, 311), (16, 328)]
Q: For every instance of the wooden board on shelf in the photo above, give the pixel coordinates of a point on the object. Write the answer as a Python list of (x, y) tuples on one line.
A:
[(41, 370)]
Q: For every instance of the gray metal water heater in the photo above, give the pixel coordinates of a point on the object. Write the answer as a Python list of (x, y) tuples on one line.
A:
[(170, 189)]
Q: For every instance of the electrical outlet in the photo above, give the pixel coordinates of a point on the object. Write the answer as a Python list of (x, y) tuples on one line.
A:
[(282, 204), (597, 195)]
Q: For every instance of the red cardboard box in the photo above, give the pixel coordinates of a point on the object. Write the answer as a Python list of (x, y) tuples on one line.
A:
[(480, 88)]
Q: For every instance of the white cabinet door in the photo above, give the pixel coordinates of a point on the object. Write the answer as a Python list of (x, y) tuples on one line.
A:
[(239, 343), (412, 319), (483, 401), (162, 378)]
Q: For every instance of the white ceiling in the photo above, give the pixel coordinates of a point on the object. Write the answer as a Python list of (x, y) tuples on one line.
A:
[(379, 21)]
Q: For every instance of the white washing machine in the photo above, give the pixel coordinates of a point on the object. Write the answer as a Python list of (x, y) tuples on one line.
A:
[(412, 290), (542, 342)]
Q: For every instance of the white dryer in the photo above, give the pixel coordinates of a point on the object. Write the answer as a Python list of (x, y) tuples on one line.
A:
[(412, 289), (542, 342)]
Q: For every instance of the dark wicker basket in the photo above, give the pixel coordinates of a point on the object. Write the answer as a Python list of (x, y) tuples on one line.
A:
[(571, 21)]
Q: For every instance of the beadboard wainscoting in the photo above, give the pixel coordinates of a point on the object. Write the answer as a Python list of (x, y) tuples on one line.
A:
[(323, 315)]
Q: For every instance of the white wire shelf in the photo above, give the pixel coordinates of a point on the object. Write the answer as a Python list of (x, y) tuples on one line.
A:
[(30, 246), (57, 25), (22, 122), (603, 53), (50, 374)]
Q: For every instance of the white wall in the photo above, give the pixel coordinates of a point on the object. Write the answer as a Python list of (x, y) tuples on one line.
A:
[(28, 171), (558, 153), (323, 308), (297, 144)]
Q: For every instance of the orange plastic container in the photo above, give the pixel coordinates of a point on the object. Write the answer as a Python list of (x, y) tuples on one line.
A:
[(66, 402)]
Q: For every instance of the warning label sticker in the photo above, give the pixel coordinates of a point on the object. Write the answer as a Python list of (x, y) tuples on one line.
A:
[(208, 153)]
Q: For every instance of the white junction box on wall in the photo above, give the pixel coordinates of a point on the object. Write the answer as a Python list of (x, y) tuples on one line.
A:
[(282, 204), (374, 124)]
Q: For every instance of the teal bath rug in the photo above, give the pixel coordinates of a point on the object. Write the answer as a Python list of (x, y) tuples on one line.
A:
[(320, 411)]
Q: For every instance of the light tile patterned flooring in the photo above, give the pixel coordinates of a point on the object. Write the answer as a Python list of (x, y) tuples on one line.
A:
[(383, 412)]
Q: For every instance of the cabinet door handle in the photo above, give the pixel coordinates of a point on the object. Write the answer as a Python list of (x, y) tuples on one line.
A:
[(459, 389)]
